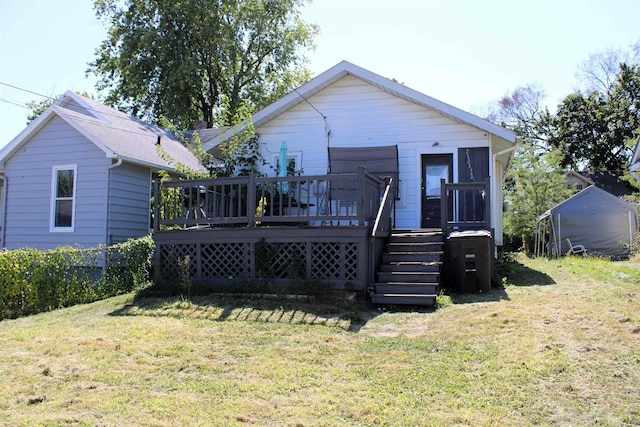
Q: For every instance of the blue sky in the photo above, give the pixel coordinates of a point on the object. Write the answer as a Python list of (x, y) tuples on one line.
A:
[(464, 52)]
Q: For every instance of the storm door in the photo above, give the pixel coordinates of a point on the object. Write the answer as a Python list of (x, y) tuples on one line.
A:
[(434, 168)]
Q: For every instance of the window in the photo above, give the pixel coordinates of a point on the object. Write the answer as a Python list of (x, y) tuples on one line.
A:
[(63, 200), (294, 160)]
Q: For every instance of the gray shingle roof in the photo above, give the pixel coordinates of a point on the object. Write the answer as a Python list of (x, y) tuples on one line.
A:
[(116, 133)]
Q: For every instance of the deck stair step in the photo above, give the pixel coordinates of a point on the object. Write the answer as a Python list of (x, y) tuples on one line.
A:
[(410, 269), (405, 299), (407, 288), (433, 256), (418, 266), (409, 276)]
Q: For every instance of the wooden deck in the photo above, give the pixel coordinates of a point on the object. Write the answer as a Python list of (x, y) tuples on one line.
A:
[(330, 231)]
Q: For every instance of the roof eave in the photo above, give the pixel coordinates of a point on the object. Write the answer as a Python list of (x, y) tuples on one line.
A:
[(344, 68)]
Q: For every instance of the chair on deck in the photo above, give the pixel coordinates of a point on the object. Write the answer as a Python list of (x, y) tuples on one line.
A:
[(379, 161), (343, 202)]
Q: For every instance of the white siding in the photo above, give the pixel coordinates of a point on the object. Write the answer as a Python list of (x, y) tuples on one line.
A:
[(361, 115), (129, 207), (29, 176)]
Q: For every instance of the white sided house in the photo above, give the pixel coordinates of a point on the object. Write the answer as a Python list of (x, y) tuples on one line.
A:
[(348, 106), (369, 186), (80, 175)]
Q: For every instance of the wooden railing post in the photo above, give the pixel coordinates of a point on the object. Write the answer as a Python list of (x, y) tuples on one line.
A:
[(157, 201), (362, 190), (251, 201), (443, 205), (487, 203)]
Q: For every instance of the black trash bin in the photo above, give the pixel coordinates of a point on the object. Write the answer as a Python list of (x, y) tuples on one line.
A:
[(469, 261)]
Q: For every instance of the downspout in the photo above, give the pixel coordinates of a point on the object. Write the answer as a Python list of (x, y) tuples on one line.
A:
[(497, 204), (108, 210), (4, 209), (506, 150)]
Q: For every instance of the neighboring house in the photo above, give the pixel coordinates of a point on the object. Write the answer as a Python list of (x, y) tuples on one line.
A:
[(80, 174), (577, 181), (348, 106), (604, 180)]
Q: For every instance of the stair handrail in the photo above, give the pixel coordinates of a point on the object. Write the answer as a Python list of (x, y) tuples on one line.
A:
[(384, 212)]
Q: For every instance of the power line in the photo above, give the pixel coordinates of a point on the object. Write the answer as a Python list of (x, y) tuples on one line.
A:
[(27, 90), (95, 121), (17, 104)]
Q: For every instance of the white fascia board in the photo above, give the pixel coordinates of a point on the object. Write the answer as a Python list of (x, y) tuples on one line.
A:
[(345, 68), (36, 125), (414, 96), (32, 128), (84, 132), (145, 163), (74, 96)]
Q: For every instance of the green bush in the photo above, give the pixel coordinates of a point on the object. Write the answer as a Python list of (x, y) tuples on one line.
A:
[(33, 281)]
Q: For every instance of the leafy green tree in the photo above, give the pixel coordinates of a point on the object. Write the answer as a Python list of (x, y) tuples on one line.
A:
[(185, 60), (599, 131), (535, 182), (523, 112)]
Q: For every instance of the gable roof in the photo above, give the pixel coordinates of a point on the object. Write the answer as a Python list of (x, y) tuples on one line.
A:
[(608, 181), (579, 177), (117, 134), (345, 68), (605, 180), (587, 196)]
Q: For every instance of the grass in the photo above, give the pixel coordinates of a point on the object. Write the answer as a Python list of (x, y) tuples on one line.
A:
[(558, 344)]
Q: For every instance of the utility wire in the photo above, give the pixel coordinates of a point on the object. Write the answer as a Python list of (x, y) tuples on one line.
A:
[(95, 121), (27, 90), (16, 103)]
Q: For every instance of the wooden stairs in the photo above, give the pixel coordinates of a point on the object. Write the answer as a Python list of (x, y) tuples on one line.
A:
[(410, 268)]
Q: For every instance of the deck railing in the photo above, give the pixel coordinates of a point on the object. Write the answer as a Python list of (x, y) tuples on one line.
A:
[(465, 206), (318, 200)]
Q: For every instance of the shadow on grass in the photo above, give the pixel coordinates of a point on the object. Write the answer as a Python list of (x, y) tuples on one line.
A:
[(327, 310), (497, 293), (518, 274), (509, 272)]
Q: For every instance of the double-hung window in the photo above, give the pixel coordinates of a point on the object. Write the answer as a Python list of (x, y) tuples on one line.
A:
[(63, 201)]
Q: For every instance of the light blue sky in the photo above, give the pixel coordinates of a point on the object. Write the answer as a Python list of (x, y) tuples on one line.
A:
[(464, 52)]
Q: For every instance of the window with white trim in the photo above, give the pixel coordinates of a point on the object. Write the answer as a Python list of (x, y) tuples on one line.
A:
[(294, 160), (63, 200)]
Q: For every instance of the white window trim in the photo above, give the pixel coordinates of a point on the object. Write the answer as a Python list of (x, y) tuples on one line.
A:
[(54, 182), (297, 155)]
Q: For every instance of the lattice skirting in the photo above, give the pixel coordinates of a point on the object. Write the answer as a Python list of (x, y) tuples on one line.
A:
[(336, 264)]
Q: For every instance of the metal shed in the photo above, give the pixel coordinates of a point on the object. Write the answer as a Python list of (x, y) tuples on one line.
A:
[(603, 224)]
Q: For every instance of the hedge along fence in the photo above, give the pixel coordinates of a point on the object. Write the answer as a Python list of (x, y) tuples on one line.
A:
[(33, 281)]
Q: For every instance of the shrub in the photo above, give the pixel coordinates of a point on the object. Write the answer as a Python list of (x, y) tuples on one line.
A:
[(33, 281)]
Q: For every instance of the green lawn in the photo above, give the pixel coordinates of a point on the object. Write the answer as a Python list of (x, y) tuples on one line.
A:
[(559, 344)]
